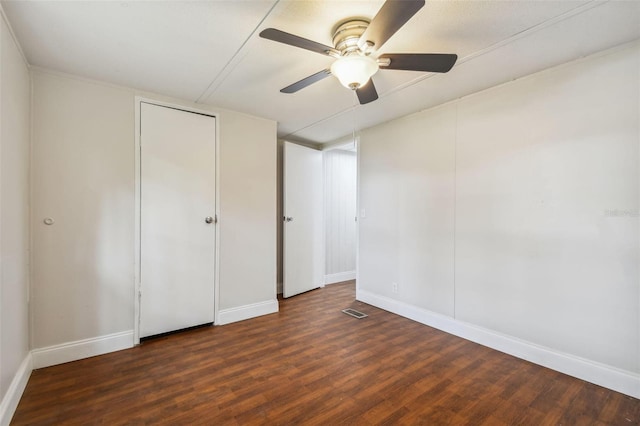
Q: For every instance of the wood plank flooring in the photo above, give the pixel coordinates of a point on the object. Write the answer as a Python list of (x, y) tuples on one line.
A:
[(311, 364)]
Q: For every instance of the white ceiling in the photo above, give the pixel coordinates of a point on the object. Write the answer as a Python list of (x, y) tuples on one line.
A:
[(210, 51)]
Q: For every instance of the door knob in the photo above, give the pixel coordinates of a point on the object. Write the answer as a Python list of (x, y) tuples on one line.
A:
[(208, 219), (288, 219)]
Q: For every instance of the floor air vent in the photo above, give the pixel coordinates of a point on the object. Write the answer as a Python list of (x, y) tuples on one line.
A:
[(354, 313)]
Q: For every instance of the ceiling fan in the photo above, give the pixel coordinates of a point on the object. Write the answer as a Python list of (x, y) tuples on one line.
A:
[(355, 40)]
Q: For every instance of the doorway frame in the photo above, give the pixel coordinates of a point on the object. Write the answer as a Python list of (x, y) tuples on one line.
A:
[(138, 101), (348, 142), (322, 253)]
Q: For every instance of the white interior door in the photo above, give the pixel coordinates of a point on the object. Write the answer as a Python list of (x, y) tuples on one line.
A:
[(303, 215), (177, 225)]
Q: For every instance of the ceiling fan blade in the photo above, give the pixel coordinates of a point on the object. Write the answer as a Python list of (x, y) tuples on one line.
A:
[(428, 62), (294, 40), (367, 93), (392, 15), (306, 81)]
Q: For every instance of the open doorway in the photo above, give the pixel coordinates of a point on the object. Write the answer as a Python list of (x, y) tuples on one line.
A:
[(335, 257), (340, 221)]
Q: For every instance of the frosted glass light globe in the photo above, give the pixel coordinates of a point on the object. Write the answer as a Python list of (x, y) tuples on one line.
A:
[(354, 71)]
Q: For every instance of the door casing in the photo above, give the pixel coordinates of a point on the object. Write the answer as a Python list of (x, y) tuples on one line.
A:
[(138, 100), (305, 206)]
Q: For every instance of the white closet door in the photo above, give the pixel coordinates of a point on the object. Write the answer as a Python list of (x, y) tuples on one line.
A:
[(177, 226), (303, 210)]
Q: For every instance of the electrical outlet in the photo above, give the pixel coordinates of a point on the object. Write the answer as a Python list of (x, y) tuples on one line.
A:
[(394, 287)]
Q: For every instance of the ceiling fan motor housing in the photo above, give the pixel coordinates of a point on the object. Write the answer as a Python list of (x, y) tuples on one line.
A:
[(347, 35), (354, 67)]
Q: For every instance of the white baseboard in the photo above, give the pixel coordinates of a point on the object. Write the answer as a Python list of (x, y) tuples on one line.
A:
[(601, 374), (339, 277), (227, 316), (72, 351), (14, 393)]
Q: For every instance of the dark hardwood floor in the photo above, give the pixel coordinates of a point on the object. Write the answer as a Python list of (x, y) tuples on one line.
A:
[(312, 364)]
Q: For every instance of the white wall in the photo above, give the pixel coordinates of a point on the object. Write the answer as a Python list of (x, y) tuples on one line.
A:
[(14, 223), (248, 237), (511, 217), (339, 214), (407, 191), (83, 177), (82, 174)]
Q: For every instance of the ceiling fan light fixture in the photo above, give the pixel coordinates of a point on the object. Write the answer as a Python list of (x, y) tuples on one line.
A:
[(354, 71)]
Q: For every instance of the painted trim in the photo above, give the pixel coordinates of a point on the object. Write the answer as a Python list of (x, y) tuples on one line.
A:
[(340, 277), (347, 143), (216, 243), (80, 349), (137, 240), (600, 374), (16, 389), (240, 313), (138, 100), (13, 36), (358, 146), (232, 63)]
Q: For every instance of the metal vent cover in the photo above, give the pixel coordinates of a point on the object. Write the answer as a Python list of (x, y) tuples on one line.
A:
[(354, 313)]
